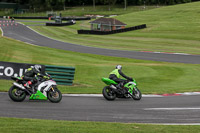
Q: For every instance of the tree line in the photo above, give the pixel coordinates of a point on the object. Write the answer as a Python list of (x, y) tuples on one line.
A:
[(62, 4)]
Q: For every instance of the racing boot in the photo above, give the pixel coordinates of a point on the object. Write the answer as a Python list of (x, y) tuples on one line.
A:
[(29, 86), (26, 85), (34, 87), (119, 86)]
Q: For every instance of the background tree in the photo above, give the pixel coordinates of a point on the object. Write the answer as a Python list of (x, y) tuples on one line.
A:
[(125, 4), (48, 4), (63, 3), (42, 5), (94, 2)]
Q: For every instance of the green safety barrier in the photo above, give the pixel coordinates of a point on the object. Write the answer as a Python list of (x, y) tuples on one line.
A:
[(62, 75)]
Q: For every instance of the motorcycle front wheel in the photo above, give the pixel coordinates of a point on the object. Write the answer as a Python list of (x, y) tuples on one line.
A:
[(136, 95), (108, 93), (16, 94), (54, 96)]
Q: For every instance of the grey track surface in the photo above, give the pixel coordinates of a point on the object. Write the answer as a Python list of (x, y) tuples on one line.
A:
[(23, 33), (99, 109)]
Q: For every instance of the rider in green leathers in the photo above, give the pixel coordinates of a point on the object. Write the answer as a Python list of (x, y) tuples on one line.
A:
[(115, 75)]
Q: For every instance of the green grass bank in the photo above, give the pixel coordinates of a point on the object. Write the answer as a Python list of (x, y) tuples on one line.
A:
[(152, 77), (169, 29), (10, 125), (162, 34)]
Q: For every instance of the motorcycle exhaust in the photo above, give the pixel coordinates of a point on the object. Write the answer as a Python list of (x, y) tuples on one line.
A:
[(19, 86), (113, 87)]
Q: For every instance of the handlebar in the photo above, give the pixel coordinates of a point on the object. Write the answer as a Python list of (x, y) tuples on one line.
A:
[(130, 79), (43, 78)]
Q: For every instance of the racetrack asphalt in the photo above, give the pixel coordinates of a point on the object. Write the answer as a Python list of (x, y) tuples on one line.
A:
[(162, 110), (25, 34), (157, 110)]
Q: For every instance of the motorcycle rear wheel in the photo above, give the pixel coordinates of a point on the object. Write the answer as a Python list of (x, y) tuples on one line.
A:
[(54, 96), (108, 93), (16, 94)]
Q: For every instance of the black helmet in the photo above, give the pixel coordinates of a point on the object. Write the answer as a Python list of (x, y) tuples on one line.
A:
[(119, 67), (38, 68)]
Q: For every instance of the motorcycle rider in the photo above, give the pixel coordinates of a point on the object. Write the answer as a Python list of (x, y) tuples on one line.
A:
[(30, 76), (115, 75)]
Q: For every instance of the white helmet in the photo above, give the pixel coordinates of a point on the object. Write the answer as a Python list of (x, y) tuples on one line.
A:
[(119, 67), (38, 68)]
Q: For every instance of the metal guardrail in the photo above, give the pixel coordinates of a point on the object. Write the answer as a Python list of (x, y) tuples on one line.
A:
[(59, 24), (46, 17), (62, 75)]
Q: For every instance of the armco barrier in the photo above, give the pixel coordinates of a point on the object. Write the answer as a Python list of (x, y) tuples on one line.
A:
[(111, 32), (63, 18), (61, 24), (62, 75)]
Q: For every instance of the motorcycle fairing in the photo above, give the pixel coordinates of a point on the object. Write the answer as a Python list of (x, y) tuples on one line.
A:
[(108, 81), (38, 96), (131, 86), (48, 85)]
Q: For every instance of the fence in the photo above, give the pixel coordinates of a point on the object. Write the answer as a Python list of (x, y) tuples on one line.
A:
[(113, 31), (62, 75), (63, 18)]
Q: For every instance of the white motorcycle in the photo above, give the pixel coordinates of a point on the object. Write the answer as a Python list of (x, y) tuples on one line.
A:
[(44, 89)]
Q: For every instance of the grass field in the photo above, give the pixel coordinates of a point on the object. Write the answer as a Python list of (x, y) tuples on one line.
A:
[(163, 34), (10, 125), (152, 77), (169, 29), (166, 33)]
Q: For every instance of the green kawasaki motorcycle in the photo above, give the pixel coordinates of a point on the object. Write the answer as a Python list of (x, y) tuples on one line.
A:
[(46, 89), (112, 91)]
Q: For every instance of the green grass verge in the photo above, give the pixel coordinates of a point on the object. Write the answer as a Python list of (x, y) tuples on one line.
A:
[(152, 77), (169, 29), (11, 125)]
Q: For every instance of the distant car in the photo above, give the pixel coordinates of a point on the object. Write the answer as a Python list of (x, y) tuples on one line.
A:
[(73, 21)]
